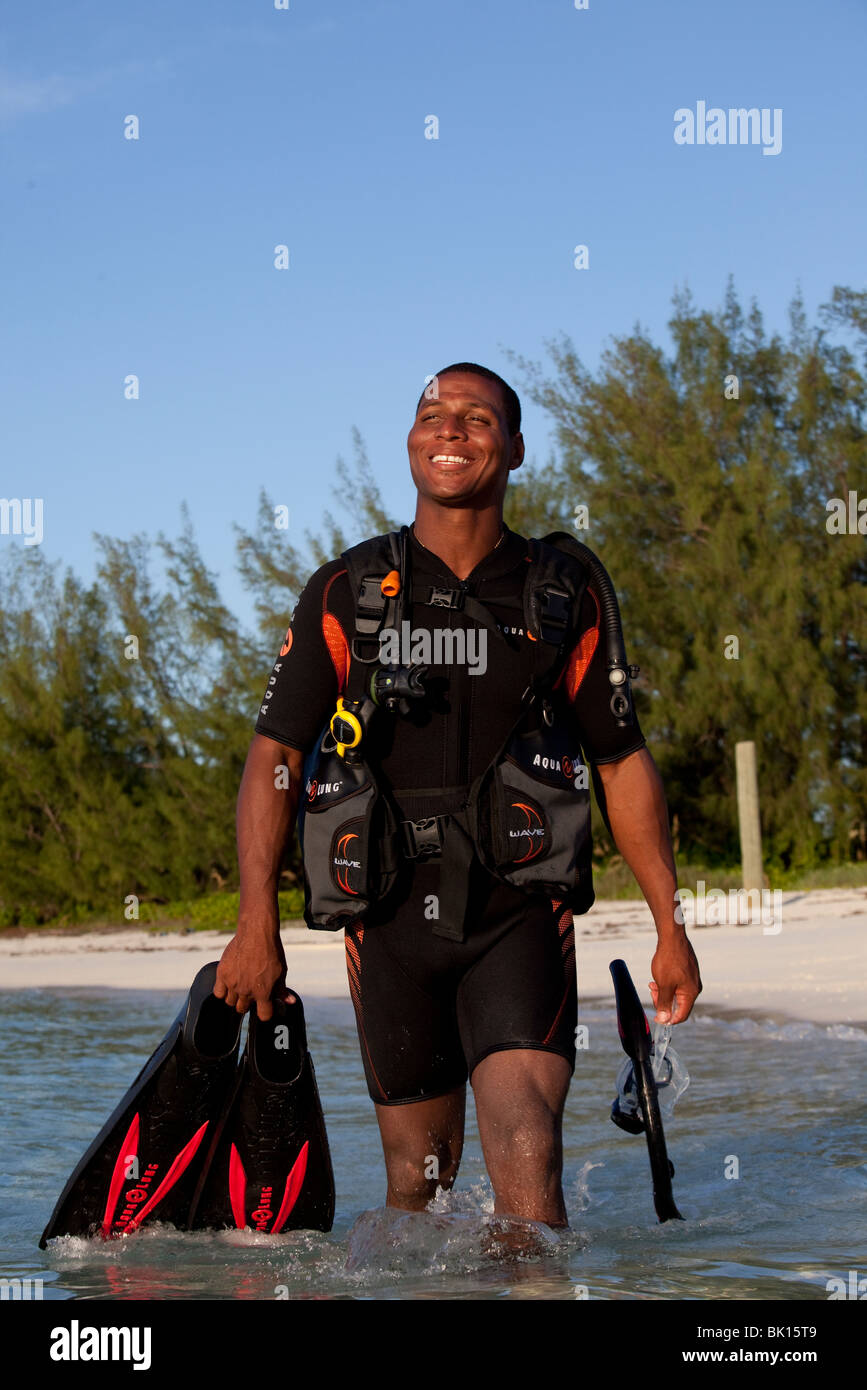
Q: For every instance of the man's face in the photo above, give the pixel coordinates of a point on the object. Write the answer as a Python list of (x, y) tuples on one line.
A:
[(460, 449)]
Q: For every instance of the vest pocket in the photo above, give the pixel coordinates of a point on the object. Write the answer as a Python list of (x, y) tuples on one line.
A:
[(535, 817), (348, 833)]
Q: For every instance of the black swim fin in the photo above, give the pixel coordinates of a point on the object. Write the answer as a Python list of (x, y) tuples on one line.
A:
[(636, 1041), (269, 1167), (145, 1162)]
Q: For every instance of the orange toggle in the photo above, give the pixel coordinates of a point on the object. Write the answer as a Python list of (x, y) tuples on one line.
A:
[(390, 585)]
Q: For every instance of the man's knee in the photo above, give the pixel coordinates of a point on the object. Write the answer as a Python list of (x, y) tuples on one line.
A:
[(416, 1176), (524, 1156), (531, 1141), (521, 1127)]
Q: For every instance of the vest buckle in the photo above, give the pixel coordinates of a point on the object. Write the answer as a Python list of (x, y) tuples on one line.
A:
[(422, 839), (441, 597)]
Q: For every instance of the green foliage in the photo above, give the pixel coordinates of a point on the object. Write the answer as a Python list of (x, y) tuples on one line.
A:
[(119, 775), (216, 911), (710, 514), (208, 912)]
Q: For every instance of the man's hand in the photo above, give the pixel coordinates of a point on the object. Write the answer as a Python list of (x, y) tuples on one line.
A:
[(675, 979), (253, 971)]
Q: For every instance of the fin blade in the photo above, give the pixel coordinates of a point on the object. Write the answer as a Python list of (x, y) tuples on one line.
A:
[(119, 1175), (177, 1168), (294, 1184), (237, 1189)]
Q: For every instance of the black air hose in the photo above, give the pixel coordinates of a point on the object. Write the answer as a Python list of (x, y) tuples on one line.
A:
[(619, 670)]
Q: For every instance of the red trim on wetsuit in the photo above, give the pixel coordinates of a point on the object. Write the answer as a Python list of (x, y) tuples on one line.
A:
[(335, 638), (566, 929), (353, 970), (580, 657)]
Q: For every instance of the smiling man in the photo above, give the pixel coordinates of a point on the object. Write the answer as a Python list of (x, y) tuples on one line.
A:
[(460, 970)]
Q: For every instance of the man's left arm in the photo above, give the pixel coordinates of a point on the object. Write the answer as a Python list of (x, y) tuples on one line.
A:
[(631, 795)]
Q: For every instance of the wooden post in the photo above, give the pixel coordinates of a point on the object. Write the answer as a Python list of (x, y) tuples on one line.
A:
[(748, 816)]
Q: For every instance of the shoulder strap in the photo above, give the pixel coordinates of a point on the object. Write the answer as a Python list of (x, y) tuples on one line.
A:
[(620, 672), (367, 565), (553, 590), (377, 574)]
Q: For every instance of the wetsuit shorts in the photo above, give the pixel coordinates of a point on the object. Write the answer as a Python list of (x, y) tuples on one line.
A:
[(428, 1009)]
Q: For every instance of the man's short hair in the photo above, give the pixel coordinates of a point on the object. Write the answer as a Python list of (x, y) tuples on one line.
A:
[(511, 403)]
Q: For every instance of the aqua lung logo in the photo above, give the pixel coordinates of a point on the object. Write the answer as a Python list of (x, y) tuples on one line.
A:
[(571, 768), (136, 1195), (263, 1213), (316, 789)]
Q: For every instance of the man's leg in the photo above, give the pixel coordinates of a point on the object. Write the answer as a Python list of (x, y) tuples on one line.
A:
[(422, 1142), (520, 1094)]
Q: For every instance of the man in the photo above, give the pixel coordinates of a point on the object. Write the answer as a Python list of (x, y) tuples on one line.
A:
[(500, 1005)]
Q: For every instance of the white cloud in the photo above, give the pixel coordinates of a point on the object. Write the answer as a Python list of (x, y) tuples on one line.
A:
[(34, 96), (28, 96)]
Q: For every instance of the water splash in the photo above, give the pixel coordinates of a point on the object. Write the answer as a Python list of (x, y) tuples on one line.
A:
[(386, 1241)]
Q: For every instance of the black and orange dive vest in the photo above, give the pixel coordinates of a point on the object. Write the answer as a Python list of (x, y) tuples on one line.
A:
[(526, 818)]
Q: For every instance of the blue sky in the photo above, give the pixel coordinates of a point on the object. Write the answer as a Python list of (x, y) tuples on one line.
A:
[(307, 127)]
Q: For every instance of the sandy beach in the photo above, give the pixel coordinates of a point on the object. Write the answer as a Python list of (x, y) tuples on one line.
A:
[(811, 963)]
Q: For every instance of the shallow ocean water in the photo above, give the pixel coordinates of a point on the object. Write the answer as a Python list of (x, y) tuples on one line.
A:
[(783, 1099)]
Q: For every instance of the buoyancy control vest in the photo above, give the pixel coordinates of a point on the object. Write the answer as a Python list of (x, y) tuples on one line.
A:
[(526, 818)]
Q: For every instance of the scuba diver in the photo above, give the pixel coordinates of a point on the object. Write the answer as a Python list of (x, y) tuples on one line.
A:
[(441, 700)]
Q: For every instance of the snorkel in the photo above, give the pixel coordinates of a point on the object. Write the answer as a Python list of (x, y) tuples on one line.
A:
[(645, 1115)]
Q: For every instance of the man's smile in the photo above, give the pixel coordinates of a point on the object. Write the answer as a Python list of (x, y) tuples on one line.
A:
[(451, 460)]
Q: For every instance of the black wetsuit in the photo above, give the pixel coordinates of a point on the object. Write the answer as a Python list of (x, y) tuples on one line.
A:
[(430, 1009)]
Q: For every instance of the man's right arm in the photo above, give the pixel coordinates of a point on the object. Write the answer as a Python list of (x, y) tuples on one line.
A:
[(253, 964), (299, 698)]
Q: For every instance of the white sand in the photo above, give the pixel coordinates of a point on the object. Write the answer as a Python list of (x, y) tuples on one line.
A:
[(814, 968)]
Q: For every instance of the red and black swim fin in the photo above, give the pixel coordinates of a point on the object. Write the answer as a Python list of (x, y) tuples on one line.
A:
[(144, 1164), (269, 1167)]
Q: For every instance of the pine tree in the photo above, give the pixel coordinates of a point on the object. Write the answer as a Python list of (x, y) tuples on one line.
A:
[(707, 473)]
